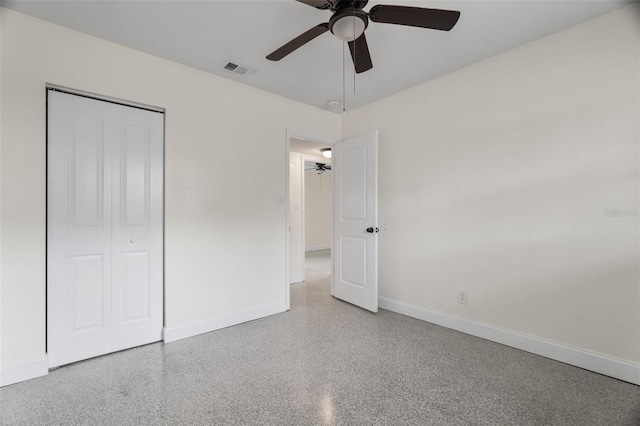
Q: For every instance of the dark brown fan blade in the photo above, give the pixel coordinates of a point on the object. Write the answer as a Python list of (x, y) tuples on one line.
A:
[(360, 54), (318, 4), (435, 19), (298, 42)]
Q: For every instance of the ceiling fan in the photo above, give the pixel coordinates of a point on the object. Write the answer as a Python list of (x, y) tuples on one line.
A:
[(349, 22), (318, 167)]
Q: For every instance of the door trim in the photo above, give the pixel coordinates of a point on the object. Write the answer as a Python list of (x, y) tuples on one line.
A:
[(104, 98), (290, 133)]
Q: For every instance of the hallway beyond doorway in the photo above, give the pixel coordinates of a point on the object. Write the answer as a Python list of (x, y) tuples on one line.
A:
[(317, 277)]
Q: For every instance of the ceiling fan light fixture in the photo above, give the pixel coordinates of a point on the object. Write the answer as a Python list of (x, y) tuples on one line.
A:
[(326, 152), (348, 25)]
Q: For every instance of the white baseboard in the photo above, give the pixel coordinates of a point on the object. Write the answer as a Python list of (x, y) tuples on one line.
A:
[(593, 361), (19, 372), (317, 248), (298, 278), (171, 334)]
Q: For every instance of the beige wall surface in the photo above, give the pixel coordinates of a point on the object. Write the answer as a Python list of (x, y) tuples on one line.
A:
[(225, 232), (318, 209), (517, 180)]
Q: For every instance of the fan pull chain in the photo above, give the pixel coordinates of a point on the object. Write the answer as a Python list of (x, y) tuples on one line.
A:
[(355, 52), (344, 80)]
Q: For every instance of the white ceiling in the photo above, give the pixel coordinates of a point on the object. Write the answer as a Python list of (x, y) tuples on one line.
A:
[(308, 148), (207, 34)]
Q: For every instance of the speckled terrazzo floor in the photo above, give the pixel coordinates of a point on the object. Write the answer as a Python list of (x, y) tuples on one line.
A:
[(324, 362)]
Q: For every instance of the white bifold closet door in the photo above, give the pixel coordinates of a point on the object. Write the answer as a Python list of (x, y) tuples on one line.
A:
[(104, 227)]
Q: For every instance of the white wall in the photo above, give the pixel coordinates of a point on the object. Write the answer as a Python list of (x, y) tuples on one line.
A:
[(296, 222), (225, 233), (497, 178), (318, 209)]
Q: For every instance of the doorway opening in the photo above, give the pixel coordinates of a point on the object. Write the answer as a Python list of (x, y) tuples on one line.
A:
[(354, 242), (310, 215), (317, 197)]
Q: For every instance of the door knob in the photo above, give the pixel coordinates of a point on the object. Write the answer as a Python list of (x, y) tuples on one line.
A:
[(132, 241), (372, 230)]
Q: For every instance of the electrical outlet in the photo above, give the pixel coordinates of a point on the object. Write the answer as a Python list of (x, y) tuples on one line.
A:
[(462, 297)]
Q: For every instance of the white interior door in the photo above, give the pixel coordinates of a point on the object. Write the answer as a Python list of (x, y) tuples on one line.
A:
[(355, 166), (104, 227)]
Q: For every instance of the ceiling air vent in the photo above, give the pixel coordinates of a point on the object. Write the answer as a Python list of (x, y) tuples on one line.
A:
[(235, 68)]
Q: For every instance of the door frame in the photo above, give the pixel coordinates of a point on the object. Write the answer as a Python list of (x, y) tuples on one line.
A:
[(123, 102), (287, 196)]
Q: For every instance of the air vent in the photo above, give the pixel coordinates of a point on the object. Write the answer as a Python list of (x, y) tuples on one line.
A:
[(236, 69)]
